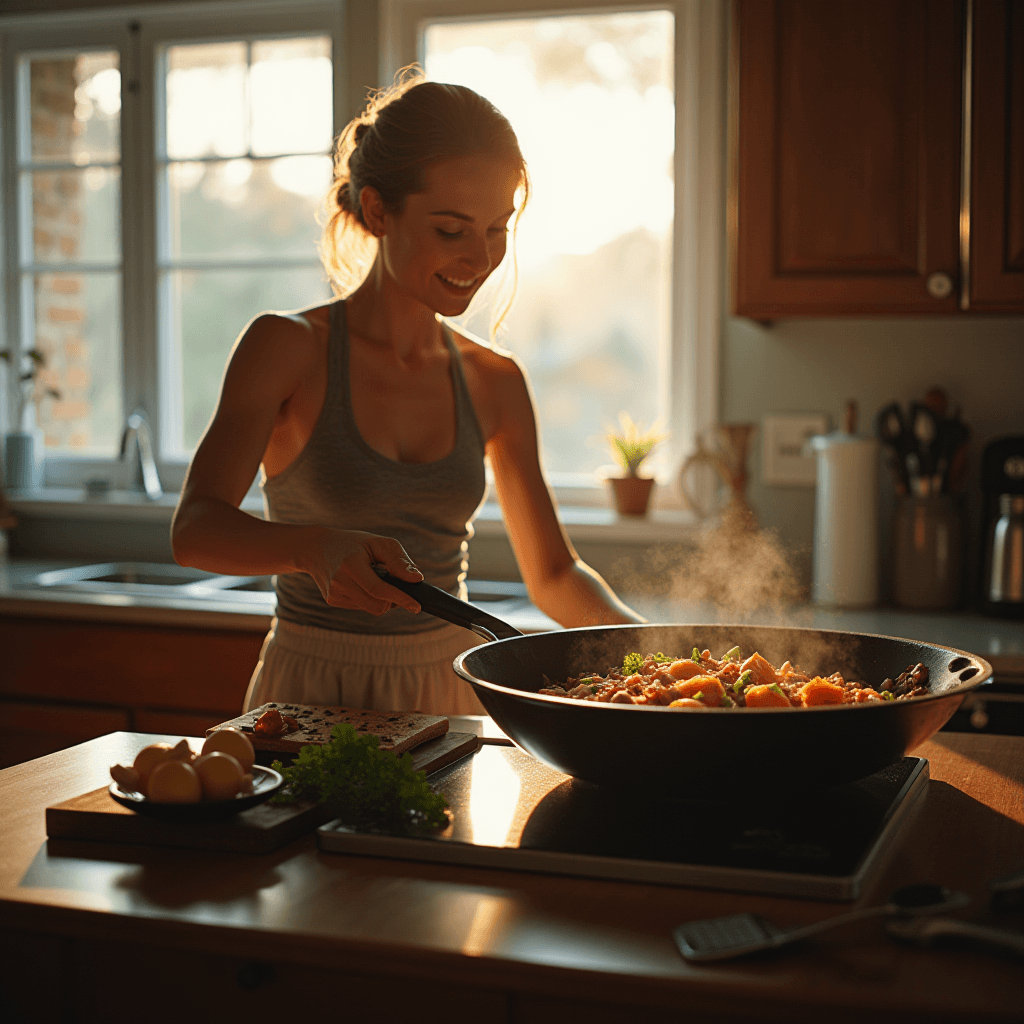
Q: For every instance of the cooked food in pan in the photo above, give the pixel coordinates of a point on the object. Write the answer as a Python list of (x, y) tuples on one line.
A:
[(700, 682)]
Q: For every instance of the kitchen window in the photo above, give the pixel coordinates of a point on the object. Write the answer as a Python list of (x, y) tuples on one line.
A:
[(197, 185)]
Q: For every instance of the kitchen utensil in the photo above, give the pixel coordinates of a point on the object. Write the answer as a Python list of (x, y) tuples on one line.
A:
[(723, 938), (265, 783), (845, 521), (1002, 480), (927, 551), (933, 931), (675, 753), (891, 429), (924, 425)]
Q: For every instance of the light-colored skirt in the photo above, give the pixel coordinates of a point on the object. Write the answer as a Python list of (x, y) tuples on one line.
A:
[(406, 672)]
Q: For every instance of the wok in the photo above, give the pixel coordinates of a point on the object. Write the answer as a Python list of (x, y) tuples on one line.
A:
[(716, 751)]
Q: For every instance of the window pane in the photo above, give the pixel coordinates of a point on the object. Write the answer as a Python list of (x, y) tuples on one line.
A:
[(75, 215), (591, 99), (245, 208), (75, 108), (292, 96), (207, 311), (78, 330), (207, 112)]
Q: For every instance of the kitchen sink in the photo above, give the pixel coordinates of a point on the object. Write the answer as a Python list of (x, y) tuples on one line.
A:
[(168, 580), (157, 579)]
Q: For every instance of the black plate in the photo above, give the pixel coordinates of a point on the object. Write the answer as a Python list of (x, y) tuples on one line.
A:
[(265, 783)]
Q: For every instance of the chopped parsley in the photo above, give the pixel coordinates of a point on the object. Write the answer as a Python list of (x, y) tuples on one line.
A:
[(632, 663), (367, 788), (695, 656), (661, 659), (733, 655)]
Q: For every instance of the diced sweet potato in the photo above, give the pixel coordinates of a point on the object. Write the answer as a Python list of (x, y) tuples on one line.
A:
[(765, 697), (760, 669), (820, 691), (685, 669), (708, 687)]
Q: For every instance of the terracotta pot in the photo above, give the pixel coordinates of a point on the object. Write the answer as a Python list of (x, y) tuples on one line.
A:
[(632, 493)]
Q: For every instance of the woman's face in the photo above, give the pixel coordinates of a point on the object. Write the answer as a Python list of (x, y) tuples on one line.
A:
[(450, 237)]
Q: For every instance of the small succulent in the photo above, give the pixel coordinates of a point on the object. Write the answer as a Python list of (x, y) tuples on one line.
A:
[(631, 443), (29, 390)]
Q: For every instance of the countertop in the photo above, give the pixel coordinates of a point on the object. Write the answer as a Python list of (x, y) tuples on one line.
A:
[(477, 944), (999, 641)]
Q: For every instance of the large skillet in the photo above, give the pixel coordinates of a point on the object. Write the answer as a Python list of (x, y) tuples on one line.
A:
[(716, 751)]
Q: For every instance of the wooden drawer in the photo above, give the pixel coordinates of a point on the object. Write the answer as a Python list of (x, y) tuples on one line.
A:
[(127, 666)]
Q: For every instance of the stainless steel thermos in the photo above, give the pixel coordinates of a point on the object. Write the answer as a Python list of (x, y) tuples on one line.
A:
[(1002, 479)]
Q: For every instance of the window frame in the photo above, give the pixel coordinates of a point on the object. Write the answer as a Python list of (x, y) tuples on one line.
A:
[(370, 42), (137, 34), (697, 244)]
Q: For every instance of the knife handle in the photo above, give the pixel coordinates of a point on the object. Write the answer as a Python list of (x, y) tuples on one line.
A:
[(442, 604)]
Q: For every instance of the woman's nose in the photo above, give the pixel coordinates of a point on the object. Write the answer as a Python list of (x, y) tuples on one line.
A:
[(478, 257)]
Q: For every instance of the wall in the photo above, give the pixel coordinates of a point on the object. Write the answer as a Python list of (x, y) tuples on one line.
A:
[(817, 365)]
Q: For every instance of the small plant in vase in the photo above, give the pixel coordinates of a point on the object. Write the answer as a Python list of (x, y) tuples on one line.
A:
[(630, 445), (19, 446)]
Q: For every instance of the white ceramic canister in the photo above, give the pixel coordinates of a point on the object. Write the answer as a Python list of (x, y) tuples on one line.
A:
[(846, 521)]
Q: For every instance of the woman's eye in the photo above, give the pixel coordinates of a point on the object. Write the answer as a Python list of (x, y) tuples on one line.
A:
[(448, 234)]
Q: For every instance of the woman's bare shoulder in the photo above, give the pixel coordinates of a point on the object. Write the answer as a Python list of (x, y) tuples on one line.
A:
[(289, 342), (495, 365)]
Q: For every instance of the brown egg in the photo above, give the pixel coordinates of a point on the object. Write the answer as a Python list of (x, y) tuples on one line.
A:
[(147, 759), (220, 775), (233, 742), (174, 782)]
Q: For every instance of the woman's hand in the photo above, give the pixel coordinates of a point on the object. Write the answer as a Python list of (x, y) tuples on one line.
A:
[(341, 563)]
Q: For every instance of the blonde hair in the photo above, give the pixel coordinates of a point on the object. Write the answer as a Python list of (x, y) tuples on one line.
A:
[(403, 129)]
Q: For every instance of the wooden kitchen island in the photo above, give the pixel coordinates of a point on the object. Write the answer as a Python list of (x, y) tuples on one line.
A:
[(127, 933)]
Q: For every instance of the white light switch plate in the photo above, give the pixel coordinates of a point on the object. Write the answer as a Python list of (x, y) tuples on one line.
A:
[(784, 439)]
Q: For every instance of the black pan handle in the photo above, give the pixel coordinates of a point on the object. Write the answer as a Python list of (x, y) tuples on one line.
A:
[(440, 603)]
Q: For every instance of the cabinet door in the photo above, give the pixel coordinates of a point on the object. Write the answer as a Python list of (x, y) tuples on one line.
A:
[(997, 157), (846, 180)]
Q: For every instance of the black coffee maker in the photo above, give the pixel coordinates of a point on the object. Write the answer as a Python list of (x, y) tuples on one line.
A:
[(1002, 481)]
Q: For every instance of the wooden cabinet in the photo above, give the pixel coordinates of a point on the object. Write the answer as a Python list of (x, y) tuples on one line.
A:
[(996, 268), (63, 681), (850, 155)]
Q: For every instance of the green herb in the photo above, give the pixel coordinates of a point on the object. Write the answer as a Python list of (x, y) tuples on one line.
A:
[(695, 656), (886, 695), (728, 702), (594, 689), (632, 663), (661, 659), (697, 696), (775, 688), (367, 788), (741, 682), (586, 679), (733, 655)]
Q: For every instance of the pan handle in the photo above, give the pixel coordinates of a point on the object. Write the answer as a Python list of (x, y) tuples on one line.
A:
[(440, 603)]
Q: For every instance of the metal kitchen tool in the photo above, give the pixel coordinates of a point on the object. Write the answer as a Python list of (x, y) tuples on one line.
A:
[(933, 931), (722, 938)]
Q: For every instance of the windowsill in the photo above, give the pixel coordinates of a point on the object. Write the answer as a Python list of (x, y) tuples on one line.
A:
[(593, 524)]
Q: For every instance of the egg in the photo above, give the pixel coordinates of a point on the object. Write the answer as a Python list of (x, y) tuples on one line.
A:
[(220, 775), (147, 759), (233, 742), (174, 782)]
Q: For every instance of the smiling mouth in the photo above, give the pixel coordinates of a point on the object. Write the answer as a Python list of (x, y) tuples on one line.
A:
[(462, 286)]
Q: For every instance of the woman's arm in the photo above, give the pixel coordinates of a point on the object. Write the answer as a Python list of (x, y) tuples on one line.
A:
[(210, 531), (560, 583)]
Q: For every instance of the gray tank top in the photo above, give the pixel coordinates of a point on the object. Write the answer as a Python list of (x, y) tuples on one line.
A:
[(339, 480)]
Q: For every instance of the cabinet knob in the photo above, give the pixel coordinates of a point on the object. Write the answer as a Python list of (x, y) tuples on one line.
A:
[(939, 285)]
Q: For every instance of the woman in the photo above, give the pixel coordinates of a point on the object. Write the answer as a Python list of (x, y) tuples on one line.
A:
[(371, 421)]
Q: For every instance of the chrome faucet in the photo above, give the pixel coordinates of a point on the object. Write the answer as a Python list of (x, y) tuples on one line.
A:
[(137, 427)]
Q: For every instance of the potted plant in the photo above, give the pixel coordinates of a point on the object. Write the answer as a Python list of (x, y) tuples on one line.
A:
[(630, 445), (20, 444)]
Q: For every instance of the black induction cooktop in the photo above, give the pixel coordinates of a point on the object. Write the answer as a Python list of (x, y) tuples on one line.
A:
[(764, 834)]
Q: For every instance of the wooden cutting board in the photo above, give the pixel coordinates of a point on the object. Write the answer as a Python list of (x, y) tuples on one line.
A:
[(398, 730), (96, 816)]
